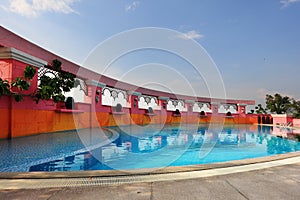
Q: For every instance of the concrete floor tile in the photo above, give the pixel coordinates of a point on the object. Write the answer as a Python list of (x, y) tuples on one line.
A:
[(24, 194), (195, 189), (131, 191), (265, 185), (270, 183)]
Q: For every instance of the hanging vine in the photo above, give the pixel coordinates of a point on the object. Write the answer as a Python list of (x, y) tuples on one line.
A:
[(20, 84)]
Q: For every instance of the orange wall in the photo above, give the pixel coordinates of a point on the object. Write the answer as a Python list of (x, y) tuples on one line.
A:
[(29, 122), (4, 123)]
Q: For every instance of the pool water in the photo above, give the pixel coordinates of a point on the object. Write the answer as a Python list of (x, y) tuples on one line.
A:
[(135, 147)]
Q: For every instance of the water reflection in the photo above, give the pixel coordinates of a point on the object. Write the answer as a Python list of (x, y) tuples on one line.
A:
[(280, 140), (132, 151)]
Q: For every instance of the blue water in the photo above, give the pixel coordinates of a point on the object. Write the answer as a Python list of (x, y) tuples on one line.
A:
[(140, 147)]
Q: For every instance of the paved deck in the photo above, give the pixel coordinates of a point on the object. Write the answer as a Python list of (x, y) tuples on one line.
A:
[(281, 182)]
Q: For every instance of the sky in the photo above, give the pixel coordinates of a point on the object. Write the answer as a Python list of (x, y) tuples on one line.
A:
[(255, 44)]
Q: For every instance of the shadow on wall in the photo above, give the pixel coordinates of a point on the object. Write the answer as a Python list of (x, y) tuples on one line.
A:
[(262, 119)]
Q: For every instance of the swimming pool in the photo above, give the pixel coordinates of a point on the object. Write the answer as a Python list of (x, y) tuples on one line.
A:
[(130, 148)]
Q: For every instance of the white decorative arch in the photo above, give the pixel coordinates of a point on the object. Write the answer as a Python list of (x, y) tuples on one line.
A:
[(176, 104), (147, 101), (112, 96), (198, 107)]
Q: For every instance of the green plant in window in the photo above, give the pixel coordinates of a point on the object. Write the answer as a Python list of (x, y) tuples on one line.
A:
[(54, 87), (260, 110)]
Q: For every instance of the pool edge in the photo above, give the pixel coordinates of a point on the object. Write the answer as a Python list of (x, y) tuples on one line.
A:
[(166, 170)]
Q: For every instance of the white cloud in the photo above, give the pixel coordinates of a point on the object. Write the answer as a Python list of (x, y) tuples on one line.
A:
[(32, 8), (132, 6), (286, 3), (191, 35)]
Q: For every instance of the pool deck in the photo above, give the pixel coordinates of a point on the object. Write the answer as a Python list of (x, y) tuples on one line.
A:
[(278, 178)]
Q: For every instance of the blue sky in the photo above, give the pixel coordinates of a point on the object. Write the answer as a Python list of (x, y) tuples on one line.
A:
[(255, 44)]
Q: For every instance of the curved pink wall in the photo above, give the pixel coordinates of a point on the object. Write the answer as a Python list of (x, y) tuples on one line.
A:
[(9, 39)]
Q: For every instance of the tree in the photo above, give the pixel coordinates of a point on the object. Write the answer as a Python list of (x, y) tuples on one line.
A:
[(295, 108), (54, 87), (278, 104), (251, 111), (260, 109)]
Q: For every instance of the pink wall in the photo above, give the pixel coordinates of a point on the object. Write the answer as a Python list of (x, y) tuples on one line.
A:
[(9, 39), (296, 123), (282, 119), (27, 117)]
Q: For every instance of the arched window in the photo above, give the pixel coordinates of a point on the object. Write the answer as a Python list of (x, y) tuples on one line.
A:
[(118, 108), (176, 113), (69, 103), (150, 110), (202, 113), (228, 114)]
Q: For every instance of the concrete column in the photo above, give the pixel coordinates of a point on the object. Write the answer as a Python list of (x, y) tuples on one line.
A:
[(133, 100), (12, 65), (241, 108), (163, 101), (189, 105), (191, 117), (214, 106), (94, 92)]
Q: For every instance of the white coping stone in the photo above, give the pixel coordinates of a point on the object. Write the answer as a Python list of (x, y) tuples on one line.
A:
[(190, 101), (163, 98), (12, 53), (281, 115), (95, 83), (214, 103), (130, 92)]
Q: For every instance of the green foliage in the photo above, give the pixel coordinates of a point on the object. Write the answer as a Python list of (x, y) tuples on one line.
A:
[(56, 64), (4, 87), (53, 87), (260, 110), (277, 104), (295, 108), (18, 97), (21, 84), (280, 105), (29, 72), (49, 87)]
